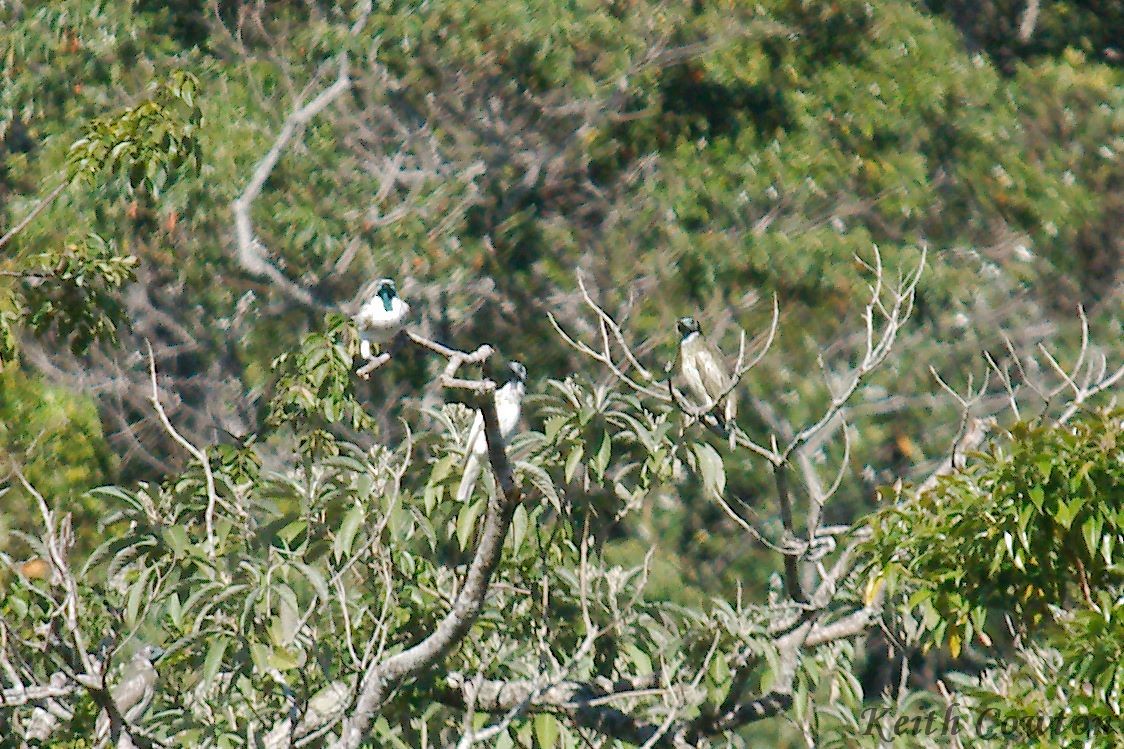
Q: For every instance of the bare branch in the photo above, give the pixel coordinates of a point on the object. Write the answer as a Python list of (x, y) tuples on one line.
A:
[(197, 453), (1029, 20), (41, 206), (381, 676), (251, 253), (791, 557), (976, 432), (875, 351), (17, 696)]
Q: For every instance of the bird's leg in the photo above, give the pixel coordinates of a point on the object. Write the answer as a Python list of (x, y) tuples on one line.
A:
[(374, 362)]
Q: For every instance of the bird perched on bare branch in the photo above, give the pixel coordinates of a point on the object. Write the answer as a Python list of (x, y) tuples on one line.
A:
[(326, 705), (133, 692), (509, 406), (705, 374), (381, 316)]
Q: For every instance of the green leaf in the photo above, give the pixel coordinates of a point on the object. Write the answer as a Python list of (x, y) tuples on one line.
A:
[(176, 539), (546, 730), (719, 670), (286, 658), (1063, 515), (431, 497), (954, 643), (137, 592), (519, 523), (640, 660), (442, 468), (711, 467), (553, 425), (573, 462), (348, 529), (604, 453), (314, 577), (466, 521), (260, 655), (291, 531), (1091, 532), (213, 662)]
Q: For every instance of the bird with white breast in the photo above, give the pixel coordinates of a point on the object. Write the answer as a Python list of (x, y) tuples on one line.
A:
[(509, 407), (381, 317)]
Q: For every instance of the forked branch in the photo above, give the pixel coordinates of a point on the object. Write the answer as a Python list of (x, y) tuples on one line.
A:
[(381, 676)]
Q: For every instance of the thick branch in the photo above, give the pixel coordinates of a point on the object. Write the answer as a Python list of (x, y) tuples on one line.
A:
[(17, 696), (587, 705), (791, 557), (855, 623), (382, 676)]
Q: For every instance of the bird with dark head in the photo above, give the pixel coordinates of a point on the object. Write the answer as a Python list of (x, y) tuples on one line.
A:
[(687, 326), (133, 691), (386, 290), (381, 316), (509, 407), (518, 372), (705, 374)]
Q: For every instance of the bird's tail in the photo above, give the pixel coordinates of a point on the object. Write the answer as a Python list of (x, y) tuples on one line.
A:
[(468, 480), (101, 728), (728, 420)]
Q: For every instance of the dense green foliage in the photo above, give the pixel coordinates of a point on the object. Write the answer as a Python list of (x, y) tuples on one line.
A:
[(58, 440), (215, 183), (1031, 526), (1023, 544)]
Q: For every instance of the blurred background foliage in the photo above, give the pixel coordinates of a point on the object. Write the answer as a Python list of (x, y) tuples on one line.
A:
[(684, 157), (57, 437)]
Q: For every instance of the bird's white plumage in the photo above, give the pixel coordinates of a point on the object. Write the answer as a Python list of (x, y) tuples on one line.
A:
[(689, 368), (326, 705), (378, 325), (704, 375), (509, 406), (132, 693)]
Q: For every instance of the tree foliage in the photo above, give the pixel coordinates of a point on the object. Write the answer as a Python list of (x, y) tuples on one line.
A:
[(901, 218), (1029, 528)]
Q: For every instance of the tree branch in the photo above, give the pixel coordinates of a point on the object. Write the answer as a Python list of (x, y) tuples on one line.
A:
[(39, 208), (791, 557), (1029, 20), (584, 703), (197, 453), (251, 252), (380, 677)]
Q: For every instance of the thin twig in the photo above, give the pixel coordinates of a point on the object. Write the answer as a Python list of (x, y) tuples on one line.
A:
[(39, 208), (198, 454)]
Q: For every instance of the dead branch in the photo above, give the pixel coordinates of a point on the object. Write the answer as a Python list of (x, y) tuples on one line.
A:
[(251, 253)]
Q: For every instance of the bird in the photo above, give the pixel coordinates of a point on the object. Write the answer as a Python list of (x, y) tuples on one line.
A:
[(509, 406), (381, 316), (133, 692), (705, 374), (326, 705)]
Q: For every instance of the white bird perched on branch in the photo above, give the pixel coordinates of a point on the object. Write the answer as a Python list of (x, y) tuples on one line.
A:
[(705, 374), (381, 317), (133, 692), (509, 406)]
